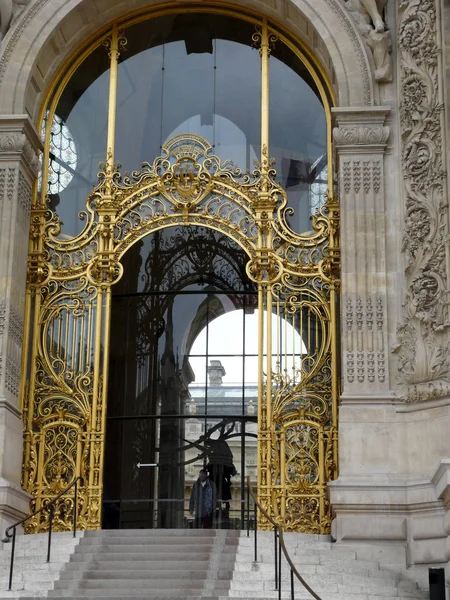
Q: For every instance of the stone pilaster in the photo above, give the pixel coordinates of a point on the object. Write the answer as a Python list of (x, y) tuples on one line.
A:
[(18, 170), (361, 137)]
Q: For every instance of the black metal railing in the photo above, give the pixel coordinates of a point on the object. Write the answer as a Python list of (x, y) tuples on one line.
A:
[(279, 547), (10, 532)]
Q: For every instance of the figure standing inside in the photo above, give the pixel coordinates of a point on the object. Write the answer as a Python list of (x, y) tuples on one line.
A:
[(203, 501)]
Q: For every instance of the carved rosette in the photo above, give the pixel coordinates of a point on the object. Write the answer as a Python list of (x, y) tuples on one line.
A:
[(424, 335)]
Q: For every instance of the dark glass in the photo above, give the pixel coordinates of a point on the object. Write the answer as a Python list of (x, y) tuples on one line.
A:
[(298, 136), (78, 140), (189, 74), (184, 298)]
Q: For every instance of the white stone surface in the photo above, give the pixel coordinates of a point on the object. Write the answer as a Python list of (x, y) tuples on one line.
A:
[(32, 575), (331, 569)]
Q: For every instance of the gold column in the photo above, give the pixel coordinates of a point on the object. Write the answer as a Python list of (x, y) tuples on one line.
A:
[(103, 273), (264, 215)]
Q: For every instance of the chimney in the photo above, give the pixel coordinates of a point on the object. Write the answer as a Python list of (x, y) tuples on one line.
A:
[(216, 372)]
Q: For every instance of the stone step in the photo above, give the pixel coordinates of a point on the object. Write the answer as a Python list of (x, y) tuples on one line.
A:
[(312, 559), (160, 574), (149, 548), (330, 584), (205, 533), (137, 584), (268, 572), (285, 596), (168, 542), (157, 595), (149, 565), (150, 557)]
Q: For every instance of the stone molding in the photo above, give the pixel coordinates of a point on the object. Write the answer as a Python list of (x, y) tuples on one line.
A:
[(361, 130), (19, 141), (361, 135), (423, 335), (441, 481), (388, 494)]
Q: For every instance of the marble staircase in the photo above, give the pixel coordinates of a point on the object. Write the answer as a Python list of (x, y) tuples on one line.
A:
[(189, 565)]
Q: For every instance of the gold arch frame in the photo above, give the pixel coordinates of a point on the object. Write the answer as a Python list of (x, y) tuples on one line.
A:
[(69, 298)]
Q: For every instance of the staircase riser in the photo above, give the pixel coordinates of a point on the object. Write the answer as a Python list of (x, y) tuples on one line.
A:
[(194, 564)]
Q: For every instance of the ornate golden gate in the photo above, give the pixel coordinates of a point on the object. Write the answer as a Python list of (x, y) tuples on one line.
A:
[(68, 318)]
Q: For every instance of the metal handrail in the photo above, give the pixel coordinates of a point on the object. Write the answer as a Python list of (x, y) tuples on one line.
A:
[(50, 506), (279, 529)]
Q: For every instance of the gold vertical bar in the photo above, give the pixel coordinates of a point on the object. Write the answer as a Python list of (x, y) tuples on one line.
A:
[(66, 336), (26, 343), (106, 338), (81, 343), (321, 478), (260, 366), (89, 333), (283, 474), (101, 308), (334, 360), (96, 386), (112, 105), (301, 341), (74, 325), (269, 355), (34, 353), (278, 336), (285, 338), (265, 51)]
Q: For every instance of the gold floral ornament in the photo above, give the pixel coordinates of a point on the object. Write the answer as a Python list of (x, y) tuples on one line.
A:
[(69, 297)]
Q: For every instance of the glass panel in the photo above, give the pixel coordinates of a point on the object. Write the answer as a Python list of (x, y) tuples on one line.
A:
[(298, 136), (189, 74), (159, 462), (171, 410), (78, 140)]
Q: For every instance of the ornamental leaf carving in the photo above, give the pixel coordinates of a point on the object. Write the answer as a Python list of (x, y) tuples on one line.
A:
[(423, 336), (361, 135)]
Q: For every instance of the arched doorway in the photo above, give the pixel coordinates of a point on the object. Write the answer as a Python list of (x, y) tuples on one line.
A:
[(215, 85), (180, 398)]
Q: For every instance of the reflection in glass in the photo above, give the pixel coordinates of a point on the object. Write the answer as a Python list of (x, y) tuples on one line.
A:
[(189, 74), (298, 136), (63, 155), (162, 410), (78, 130)]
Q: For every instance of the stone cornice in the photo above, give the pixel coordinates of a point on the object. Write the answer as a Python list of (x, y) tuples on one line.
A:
[(19, 140), (361, 129), (441, 481)]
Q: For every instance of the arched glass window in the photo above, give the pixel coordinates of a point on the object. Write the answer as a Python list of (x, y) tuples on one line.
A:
[(190, 73)]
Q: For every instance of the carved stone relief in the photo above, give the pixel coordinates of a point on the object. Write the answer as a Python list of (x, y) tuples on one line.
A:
[(9, 11), (15, 327), (2, 315), (17, 142), (24, 195), (424, 335), (12, 377), (368, 16), (364, 338)]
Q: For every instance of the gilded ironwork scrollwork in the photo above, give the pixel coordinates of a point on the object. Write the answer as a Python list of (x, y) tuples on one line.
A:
[(69, 298)]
